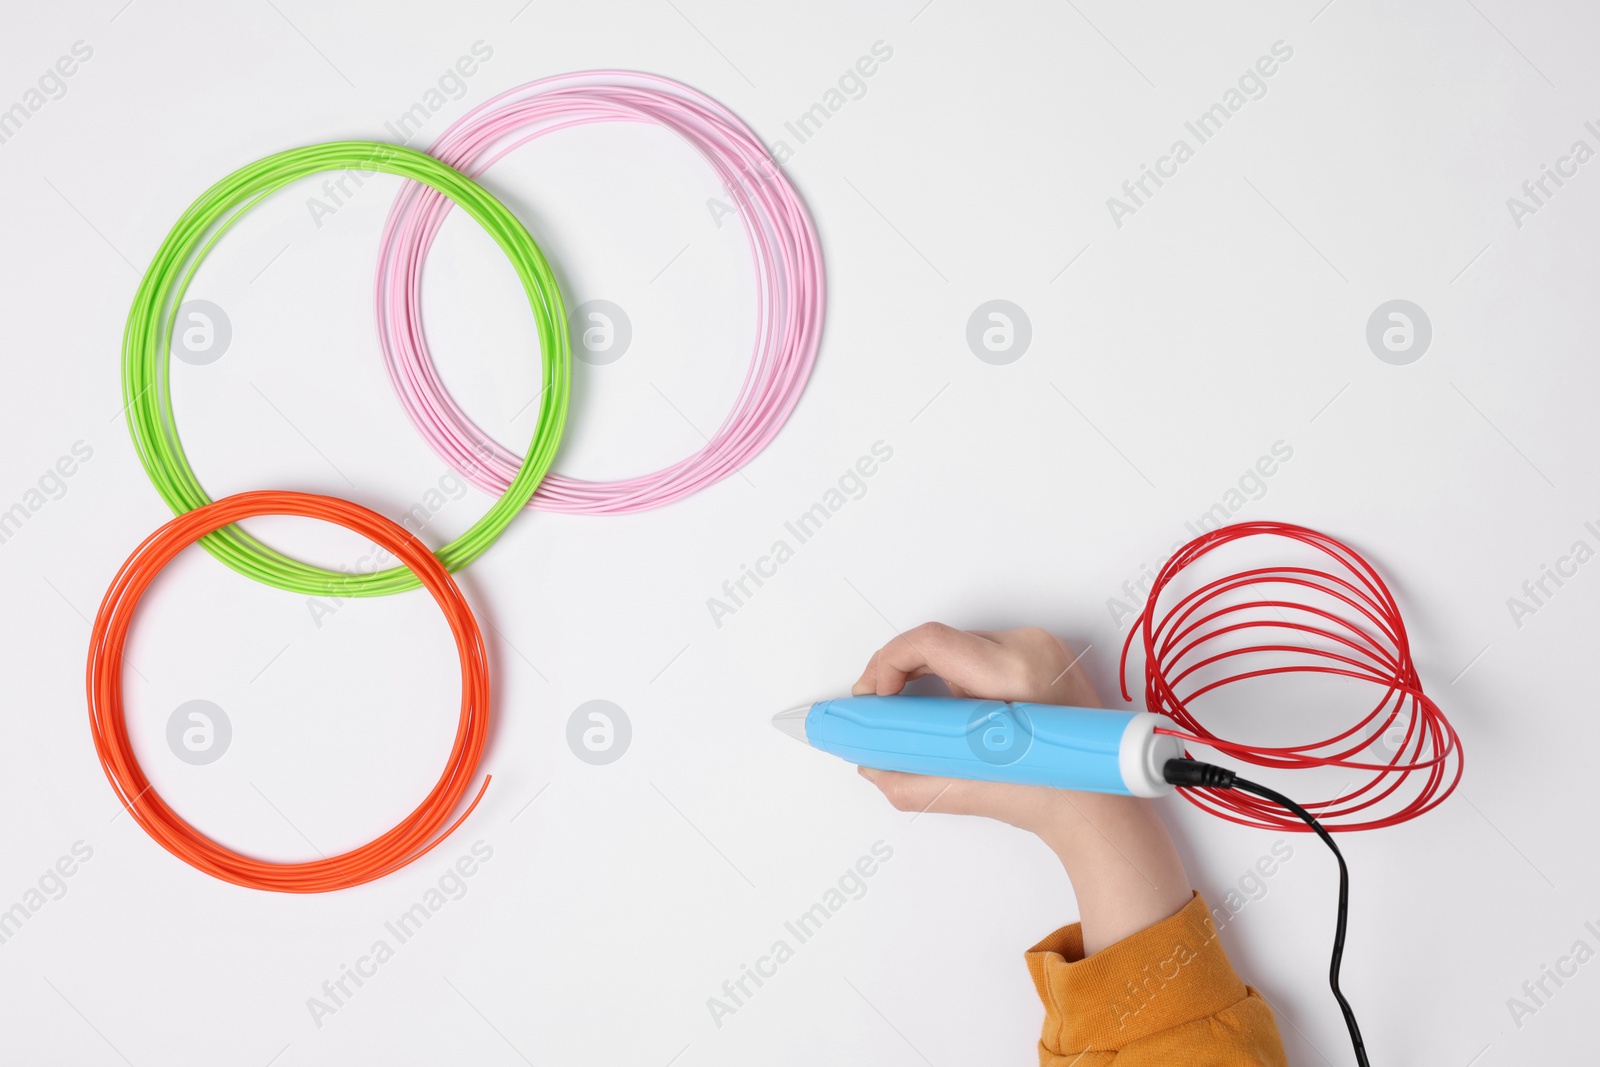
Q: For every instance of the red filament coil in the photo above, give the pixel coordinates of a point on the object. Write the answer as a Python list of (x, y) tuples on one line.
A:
[(1341, 622), (423, 828)]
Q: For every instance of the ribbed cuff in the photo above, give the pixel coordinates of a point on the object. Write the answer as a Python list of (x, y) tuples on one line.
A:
[(1163, 976)]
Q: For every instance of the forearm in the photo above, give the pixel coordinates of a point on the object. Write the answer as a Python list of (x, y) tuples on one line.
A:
[(1124, 870)]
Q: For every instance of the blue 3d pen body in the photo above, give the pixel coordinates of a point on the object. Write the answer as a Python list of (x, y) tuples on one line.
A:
[(1091, 749)]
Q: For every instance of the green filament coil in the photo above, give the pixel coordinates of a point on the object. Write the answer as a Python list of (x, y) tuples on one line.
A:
[(147, 340)]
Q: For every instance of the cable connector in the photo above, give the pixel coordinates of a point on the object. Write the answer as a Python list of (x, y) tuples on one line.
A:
[(1193, 773)]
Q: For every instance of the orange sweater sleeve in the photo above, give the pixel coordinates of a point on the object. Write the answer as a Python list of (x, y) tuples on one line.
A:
[(1165, 997)]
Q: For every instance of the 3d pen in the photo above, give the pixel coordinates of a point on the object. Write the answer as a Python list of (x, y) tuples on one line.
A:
[(993, 741)]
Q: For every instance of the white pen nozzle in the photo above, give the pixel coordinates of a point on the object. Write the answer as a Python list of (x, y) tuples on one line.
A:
[(793, 722)]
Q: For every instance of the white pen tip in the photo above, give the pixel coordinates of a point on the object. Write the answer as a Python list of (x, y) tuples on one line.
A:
[(793, 722)]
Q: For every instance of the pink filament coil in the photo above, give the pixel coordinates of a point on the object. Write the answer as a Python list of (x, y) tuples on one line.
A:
[(783, 247)]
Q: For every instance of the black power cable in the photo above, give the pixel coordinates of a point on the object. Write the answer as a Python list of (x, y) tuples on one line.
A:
[(1191, 773)]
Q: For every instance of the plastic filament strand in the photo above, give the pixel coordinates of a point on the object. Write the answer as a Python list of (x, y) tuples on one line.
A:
[(147, 342), (1403, 756), (426, 825), (783, 245)]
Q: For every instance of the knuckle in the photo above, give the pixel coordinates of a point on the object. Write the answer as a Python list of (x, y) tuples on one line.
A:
[(1017, 664), (1039, 640), (1046, 650), (931, 631)]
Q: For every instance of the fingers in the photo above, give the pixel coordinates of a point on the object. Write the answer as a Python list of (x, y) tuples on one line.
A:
[(868, 684), (1028, 807), (1051, 674), (910, 792), (1025, 664), (968, 660)]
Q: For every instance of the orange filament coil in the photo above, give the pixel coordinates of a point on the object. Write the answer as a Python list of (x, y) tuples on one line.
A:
[(416, 834)]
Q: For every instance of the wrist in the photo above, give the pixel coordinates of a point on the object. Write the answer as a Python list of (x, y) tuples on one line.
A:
[(1123, 867), (1075, 823)]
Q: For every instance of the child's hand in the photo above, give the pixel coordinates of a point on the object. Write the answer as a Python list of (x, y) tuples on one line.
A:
[(1123, 867), (1028, 665)]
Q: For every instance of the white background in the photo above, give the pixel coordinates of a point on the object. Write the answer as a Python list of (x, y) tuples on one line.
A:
[(1226, 315)]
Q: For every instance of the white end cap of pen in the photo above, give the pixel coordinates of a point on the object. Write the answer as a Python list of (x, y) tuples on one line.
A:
[(1143, 753)]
